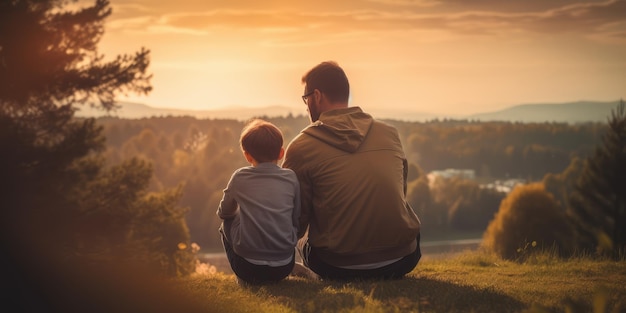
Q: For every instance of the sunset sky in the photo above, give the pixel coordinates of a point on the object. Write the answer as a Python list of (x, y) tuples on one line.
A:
[(440, 56)]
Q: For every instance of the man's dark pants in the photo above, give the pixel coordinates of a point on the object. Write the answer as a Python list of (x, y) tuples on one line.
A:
[(394, 270)]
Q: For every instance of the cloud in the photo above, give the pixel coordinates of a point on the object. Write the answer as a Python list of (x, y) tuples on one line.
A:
[(235, 19), (150, 25), (133, 23), (580, 17), (591, 18), (129, 8), (417, 3)]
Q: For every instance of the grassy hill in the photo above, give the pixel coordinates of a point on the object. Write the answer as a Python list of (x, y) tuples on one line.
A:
[(466, 282), (470, 282)]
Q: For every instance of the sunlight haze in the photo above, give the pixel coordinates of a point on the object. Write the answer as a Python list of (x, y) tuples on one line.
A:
[(449, 56)]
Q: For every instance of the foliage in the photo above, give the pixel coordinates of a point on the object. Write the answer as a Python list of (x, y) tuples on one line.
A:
[(61, 200), (598, 203), (52, 63), (497, 149), (464, 203), (561, 185), (418, 191), (528, 216), (129, 223), (475, 211)]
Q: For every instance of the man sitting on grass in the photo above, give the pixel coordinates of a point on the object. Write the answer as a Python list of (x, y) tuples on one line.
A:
[(353, 181)]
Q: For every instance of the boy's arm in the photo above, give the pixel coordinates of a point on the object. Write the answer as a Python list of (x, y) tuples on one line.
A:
[(228, 205)]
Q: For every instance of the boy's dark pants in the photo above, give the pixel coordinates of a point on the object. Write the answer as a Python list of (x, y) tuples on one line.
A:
[(249, 272)]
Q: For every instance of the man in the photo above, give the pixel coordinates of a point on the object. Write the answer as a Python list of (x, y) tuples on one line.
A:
[(352, 173)]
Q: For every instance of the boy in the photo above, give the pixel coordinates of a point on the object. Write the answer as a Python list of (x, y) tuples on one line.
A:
[(260, 209)]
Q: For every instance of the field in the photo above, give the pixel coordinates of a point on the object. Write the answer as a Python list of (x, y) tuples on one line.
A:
[(466, 282)]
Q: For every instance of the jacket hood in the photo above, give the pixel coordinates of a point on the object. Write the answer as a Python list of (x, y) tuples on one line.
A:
[(344, 128)]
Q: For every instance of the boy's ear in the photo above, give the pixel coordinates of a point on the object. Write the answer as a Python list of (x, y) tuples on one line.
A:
[(248, 157), (281, 154)]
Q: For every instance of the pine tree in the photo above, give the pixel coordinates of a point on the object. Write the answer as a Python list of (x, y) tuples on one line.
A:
[(598, 203), (60, 201)]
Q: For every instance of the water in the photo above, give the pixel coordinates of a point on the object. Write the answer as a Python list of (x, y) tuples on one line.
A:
[(430, 250)]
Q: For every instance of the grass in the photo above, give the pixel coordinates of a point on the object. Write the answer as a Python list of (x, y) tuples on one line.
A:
[(469, 282)]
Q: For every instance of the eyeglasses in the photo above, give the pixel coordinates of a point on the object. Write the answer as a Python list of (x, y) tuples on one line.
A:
[(304, 98)]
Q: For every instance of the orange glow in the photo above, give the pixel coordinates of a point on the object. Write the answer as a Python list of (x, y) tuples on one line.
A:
[(422, 55)]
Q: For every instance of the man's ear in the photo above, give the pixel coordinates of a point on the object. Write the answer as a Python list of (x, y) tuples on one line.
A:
[(317, 94), (281, 154)]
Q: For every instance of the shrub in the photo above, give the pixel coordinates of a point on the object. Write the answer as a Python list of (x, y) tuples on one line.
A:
[(529, 219)]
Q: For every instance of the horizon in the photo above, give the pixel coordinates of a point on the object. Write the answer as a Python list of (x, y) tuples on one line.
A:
[(424, 55), (570, 112)]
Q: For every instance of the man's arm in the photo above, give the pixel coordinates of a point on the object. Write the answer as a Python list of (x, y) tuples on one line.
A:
[(306, 202), (297, 204), (405, 173), (306, 206)]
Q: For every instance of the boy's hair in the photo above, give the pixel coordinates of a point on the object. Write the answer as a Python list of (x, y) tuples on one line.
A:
[(262, 140), (330, 79)]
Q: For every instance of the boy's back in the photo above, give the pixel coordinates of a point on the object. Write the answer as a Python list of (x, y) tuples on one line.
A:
[(268, 201), (261, 209)]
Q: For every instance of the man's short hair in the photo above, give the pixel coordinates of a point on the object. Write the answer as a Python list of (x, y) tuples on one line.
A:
[(330, 79), (262, 140)]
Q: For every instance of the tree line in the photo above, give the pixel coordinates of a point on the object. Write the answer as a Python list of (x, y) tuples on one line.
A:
[(199, 155), (579, 211)]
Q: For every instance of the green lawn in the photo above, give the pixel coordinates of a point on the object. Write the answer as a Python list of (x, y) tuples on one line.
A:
[(469, 282)]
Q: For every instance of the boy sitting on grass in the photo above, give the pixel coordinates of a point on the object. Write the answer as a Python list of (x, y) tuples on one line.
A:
[(260, 209)]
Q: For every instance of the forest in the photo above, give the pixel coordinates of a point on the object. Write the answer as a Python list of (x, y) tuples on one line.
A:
[(199, 155)]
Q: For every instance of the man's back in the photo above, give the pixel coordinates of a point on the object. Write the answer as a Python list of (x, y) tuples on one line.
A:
[(352, 171)]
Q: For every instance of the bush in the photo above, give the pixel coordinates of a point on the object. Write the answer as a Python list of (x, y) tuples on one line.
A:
[(529, 219)]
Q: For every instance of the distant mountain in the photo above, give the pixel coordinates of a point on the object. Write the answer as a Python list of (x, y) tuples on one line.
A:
[(132, 110), (405, 115), (570, 112)]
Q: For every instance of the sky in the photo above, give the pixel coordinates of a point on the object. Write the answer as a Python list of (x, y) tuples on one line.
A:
[(438, 56)]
